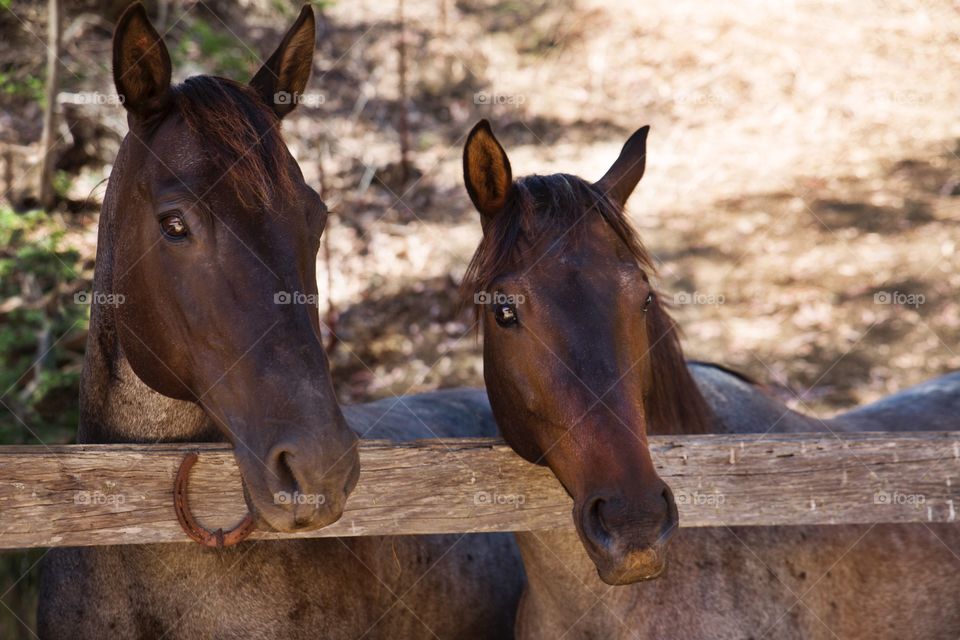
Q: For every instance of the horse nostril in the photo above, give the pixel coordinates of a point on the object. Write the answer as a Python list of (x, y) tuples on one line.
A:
[(594, 526), (596, 512), (286, 478)]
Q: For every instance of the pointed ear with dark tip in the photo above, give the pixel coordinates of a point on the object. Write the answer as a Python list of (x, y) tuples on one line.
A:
[(141, 63), (622, 178), (486, 171), (282, 79)]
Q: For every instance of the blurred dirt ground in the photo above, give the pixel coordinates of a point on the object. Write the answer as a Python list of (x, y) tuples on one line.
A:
[(802, 168), (802, 172)]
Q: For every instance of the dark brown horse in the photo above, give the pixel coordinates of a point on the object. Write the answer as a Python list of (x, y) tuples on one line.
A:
[(207, 217), (208, 242), (581, 361)]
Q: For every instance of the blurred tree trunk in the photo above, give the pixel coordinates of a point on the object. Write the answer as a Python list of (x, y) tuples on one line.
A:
[(47, 193), (404, 125), (163, 10), (445, 43)]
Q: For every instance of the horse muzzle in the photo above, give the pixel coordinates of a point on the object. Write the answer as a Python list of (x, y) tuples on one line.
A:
[(628, 542)]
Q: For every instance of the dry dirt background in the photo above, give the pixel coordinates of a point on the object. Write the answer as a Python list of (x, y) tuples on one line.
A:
[(802, 161)]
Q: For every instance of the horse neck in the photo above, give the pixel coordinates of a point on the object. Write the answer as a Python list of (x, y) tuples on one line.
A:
[(681, 407), (115, 404), (740, 405)]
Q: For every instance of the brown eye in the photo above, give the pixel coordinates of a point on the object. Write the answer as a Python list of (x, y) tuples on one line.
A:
[(505, 314), (647, 302), (173, 227)]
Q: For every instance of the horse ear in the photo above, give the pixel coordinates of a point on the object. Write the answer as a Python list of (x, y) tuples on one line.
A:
[(622, 177), (486, 170), (282, 79), (141, 63)]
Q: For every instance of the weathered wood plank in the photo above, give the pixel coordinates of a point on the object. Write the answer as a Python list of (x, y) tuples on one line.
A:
[(122, 494)]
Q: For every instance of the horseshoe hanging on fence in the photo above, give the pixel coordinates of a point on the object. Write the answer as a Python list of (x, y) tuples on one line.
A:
[(217, 539)]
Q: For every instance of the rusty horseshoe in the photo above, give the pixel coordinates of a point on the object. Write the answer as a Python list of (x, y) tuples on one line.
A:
[(217, 539)]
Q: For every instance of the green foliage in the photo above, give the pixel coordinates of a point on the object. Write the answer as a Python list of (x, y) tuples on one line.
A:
[(217, 50), (282, 8), (39, 375), (29, 87), (37, 314), (62, 183)]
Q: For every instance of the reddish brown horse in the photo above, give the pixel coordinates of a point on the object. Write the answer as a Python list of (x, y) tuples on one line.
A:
[(581, 361), (562, 246), (207, 219)]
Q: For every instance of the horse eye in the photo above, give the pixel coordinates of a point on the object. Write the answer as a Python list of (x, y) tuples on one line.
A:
[(173, 227), (647, 302), (506, 315)]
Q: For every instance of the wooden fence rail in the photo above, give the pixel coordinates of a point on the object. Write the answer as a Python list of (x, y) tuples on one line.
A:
[(80, 495)]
